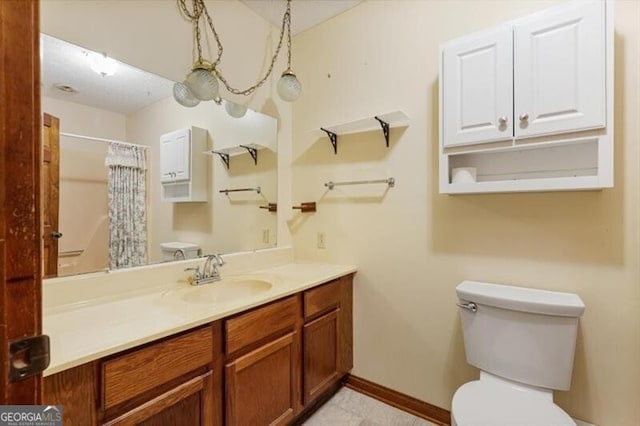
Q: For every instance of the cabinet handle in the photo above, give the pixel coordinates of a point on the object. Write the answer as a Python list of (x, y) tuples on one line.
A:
[(524, 117), (503, 120)]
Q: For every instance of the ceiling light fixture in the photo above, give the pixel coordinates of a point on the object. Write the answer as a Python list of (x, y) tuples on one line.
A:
[(235, 110), (102, 64), (201, 84)]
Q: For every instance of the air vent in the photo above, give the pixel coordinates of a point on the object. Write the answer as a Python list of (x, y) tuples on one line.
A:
[(65, 88)]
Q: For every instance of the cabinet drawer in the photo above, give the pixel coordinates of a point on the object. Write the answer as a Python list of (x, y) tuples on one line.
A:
[(321, 299), (253, 326), (185, 402), (135, 373)]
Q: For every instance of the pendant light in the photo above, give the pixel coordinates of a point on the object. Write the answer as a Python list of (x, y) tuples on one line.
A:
[(201, 84)]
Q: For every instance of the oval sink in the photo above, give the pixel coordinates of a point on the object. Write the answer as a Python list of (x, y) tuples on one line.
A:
[(226, 290)]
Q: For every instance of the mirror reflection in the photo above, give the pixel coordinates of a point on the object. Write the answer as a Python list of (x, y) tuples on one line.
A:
[(131, 177)]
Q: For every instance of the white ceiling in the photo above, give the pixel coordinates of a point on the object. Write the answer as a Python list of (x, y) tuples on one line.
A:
[(128, 90), (131, 89), (304, 13)]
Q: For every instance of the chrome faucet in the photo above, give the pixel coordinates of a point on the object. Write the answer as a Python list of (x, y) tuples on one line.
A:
[(210, 272)]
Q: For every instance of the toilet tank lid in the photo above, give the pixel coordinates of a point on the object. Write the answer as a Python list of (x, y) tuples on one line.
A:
[(521, 299), (176, 245)]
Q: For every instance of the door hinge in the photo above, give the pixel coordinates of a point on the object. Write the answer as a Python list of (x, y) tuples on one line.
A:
[(28, 357)]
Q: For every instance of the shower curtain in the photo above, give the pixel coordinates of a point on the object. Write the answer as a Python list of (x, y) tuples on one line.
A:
[(127, 206)]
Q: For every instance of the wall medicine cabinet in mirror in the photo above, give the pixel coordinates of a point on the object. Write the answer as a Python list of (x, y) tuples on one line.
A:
[(128, 105)]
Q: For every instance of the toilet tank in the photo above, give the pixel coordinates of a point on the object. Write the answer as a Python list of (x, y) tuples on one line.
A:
[(176, 250), (518, 333)]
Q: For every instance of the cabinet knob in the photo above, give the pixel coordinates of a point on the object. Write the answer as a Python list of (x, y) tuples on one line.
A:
[(503, 120), (524, 117)]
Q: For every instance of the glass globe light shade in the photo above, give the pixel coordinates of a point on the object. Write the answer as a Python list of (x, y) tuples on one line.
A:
[(184, 96), (235, 110), (289, 87), (203, 84)]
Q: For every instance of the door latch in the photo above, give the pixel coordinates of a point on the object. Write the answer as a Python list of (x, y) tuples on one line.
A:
[(28, 357)]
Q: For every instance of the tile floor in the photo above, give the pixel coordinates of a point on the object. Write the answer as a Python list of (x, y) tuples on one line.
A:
[(351, 408)]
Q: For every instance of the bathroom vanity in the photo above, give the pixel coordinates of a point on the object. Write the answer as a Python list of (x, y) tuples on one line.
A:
[(252, 356)]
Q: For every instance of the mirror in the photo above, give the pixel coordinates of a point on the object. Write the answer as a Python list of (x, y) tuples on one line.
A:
[(136, 107)]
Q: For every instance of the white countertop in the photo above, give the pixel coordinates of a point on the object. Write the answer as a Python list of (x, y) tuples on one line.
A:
[(85, 331)]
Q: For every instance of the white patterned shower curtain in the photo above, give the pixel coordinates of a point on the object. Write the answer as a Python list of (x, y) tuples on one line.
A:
[(127, 206)]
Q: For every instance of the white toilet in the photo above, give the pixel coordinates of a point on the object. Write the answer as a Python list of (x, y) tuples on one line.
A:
[(523, 341)]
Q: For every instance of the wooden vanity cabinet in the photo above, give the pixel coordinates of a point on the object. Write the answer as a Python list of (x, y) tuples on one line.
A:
[(265, 366), (327, 337), (174, 381), (262, 373)]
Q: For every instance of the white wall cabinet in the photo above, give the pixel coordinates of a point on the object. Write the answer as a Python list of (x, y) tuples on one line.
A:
[(515, 97), (559, 70), (183, 165), (478, 85), (175, 156)]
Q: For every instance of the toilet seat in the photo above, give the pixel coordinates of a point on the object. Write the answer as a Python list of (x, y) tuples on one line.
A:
[(486, 403)]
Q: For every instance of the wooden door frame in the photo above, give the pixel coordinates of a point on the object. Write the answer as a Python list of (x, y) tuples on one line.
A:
[(20, 224)]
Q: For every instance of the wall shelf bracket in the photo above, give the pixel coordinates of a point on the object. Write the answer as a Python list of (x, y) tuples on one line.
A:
[(224, 157), (333, 138), (385, 129), (253, 152)]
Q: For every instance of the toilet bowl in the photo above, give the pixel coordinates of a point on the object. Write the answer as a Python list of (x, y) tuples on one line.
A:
[(523, 342), (497, 402)]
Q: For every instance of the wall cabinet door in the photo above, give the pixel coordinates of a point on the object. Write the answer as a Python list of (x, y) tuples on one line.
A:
[(477, 88), (262, 386), (320, 355), (190, 403), (559, 73), (175, 156)]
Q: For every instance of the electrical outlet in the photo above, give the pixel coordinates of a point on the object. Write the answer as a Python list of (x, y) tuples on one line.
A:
[(320, 240), (265, 236)]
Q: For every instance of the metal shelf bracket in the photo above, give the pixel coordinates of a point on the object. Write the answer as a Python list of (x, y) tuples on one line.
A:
[(385, 129), (333, 138), (224, 157), (252, 152)]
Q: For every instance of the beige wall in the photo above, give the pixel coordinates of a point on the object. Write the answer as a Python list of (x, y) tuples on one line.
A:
[(85, 120), (224, 224), (153, 36), (413, 245)]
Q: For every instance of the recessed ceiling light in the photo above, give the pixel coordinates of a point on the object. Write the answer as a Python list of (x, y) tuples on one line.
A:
[(65, 88)]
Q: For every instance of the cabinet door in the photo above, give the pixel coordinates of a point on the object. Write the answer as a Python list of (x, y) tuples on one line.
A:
[(175, 156), (320, 352), (559, 71), (188, 404), (262, 387), (477, 88)]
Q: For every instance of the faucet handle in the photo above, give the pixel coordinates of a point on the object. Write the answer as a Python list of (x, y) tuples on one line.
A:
[(196, 277), (196, 269)]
